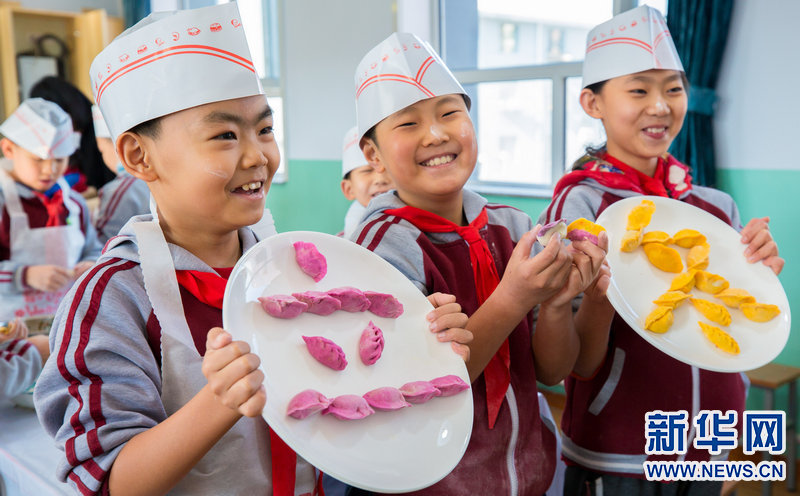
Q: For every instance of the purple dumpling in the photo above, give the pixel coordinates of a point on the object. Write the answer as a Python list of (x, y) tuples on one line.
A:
[(318, 302), (349, 407), (449, 385), (310, 260), (352, 299), (582, 235), (307, 403), (326, 352), (419, 391), (370, 346), (282, 306), (384, 305), (386, 398)]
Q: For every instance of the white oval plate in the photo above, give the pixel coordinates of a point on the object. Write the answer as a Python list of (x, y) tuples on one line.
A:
[(635, 283), (387, 452)]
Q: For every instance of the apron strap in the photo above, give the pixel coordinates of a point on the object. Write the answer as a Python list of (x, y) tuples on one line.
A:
[(72, 205), (159, 276)]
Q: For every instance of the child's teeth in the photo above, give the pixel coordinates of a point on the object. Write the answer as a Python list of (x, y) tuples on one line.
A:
[(253, 185), (439, 160)]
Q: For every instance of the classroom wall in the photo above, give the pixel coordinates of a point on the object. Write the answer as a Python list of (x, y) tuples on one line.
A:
[(113, 7)]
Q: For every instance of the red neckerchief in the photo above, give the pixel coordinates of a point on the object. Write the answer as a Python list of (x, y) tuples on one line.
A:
[(496, 374), (209, 288), (671, 178), (55, 207)]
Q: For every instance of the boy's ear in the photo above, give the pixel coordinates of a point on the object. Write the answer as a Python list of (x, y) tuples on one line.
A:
[(590, 104), (371, 153), (7, 146), (347, 189), (132, 150)]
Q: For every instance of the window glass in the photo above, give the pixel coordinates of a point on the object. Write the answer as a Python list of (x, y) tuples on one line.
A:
[(581, 130)]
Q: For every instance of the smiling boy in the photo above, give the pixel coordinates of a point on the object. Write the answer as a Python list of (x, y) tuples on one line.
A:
[(154, 401), (414, 120)]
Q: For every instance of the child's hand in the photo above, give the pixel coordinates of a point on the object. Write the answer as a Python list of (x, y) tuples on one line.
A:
[(80, 268), (760, 245), (528, 280), (233, 375), (47, 277), (16, 330), (597, 289), (587, 260), (448, 322)]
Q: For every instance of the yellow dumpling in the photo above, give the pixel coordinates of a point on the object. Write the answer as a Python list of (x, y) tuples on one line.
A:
[(713, 311), (760, 312), (663, 257), (640, 215), (734, 297), (656, 237), (671, 299), (720, 338), (710, 283), (698, 256), (683, 282), (659, 320), (631, 240), (585, 225), (686, 238)]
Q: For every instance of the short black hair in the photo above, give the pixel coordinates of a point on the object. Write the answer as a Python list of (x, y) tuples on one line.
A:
[(151, 128)]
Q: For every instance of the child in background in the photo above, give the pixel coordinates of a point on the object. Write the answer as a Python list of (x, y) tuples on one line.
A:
[(85, 172), (46, 240), (639, 93), (413, 117), (122, 198), (21, 358), (156, 401), (361, 182)]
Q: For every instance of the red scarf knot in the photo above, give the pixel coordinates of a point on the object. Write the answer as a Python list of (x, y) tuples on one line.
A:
[(55, 207), (497, 373)]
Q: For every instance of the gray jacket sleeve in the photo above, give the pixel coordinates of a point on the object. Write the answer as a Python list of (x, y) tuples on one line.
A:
[(102, 384), (20, 363)]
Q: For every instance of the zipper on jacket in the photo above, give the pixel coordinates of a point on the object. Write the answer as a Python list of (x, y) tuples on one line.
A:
[(512, 442)]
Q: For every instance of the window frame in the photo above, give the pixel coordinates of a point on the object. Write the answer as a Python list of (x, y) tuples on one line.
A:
[(557, 73)]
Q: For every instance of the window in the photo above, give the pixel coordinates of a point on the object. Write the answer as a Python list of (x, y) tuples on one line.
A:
[(520, 62), (260, 21)]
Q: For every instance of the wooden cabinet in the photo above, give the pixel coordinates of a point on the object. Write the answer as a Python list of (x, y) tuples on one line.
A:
[(84, 34)]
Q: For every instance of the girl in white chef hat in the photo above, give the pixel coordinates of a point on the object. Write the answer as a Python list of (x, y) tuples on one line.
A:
[(633, 81)]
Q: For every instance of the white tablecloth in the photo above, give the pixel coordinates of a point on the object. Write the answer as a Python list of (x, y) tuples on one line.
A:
[(28, 457)]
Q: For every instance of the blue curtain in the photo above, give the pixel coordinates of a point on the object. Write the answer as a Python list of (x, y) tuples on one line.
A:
[(135, 10), (700, 31)]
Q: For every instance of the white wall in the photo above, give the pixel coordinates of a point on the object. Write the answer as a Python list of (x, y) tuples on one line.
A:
[(113, 7), (323, 42), (758, 109)]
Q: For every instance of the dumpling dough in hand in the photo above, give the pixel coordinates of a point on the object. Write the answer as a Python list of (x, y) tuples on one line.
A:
[(326, 352), (370, 346), (349, 407), (307, 403)]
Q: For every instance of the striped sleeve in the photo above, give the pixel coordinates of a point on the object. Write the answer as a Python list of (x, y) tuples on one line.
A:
[(394, 240), (20, 363), (101, 385), (128, 198), (573, 202)]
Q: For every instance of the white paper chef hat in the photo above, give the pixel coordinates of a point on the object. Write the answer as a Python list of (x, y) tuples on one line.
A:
[(352, 157), (634, 41), (43, 128), (100, 127), (400, 71), (171, 61)]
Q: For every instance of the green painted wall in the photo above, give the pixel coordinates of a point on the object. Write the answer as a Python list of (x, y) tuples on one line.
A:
[(311, 200)]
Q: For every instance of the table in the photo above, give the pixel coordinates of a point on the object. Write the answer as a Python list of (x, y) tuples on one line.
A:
[(28, 456)]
